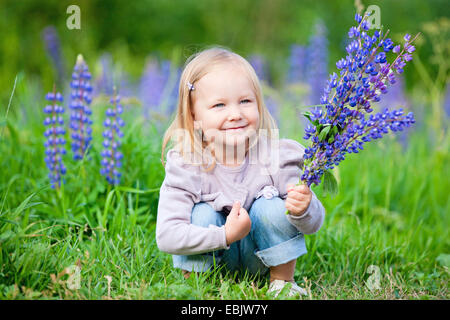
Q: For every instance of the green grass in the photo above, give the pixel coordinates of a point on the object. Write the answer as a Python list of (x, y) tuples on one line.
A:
[(392, 212)]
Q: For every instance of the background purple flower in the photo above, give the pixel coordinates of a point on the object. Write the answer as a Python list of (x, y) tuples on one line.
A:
[(258, 63), (55, 132), (297, 64), (112, 75), (80, 117), (396, 98), (173, 95), (317, 63), (105, 81), (447, 100), (273, 107), (53, 48), (111, 155), (152, 86)]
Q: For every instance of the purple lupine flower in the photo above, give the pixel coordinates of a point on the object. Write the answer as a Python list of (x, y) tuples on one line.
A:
[(152, 85), (447, 100), (317, 63), (105, 81), (80, 117), (126, 85), (297, 64), (53, 47), (173, 96), (112, 75), (111, 155), (396, 98), (273, 107), (260, 67), (365, 74), (55, 132), (296, 79)]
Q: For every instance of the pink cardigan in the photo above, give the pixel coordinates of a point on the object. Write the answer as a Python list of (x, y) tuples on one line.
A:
[(268, 167)]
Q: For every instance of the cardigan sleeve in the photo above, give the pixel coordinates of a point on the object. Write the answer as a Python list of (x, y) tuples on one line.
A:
[(179, 192), (291, 167)]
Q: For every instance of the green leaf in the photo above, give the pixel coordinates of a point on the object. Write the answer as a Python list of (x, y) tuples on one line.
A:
[(329, 183), (331, 140), (323, 133), (13, 132), (334, 130), (133, 190), (308, 115), (444, 259), (24, 205)]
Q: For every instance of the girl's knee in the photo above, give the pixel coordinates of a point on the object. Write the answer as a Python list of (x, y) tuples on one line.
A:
[(203, 215), (269, 213)]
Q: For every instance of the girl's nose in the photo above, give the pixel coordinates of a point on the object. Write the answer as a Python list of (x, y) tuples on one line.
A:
[(234, 112)]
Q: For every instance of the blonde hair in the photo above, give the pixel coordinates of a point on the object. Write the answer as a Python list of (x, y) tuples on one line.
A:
[(196, 66)]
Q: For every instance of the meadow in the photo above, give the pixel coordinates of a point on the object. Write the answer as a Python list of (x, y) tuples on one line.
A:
[(385, 234), (391, 212)]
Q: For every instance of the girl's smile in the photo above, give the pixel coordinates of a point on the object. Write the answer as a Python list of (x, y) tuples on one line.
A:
[(236, 129)]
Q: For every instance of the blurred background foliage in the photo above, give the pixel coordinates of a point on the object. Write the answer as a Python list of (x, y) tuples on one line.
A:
[(131, 31)]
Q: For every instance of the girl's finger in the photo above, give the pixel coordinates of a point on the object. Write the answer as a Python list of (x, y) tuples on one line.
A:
[(303, 189), (290, 187), (298, 196), (293, 202)]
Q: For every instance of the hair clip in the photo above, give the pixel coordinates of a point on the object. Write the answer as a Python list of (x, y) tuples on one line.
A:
[(190, 86)]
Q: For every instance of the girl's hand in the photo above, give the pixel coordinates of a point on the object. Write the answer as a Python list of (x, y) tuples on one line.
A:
[(238, 224), (298, 199)]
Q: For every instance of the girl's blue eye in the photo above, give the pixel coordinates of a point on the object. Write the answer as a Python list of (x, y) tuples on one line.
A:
[(220, 104)]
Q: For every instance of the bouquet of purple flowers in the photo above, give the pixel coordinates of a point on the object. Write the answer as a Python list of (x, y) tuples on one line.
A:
[(344, 126)]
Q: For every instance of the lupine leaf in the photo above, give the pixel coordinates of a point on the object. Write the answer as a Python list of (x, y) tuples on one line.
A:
[(334, 131), (323, 133), (308, 115), (330, 185)]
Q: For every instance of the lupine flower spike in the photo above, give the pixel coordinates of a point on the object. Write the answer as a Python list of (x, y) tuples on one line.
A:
[(111, 155), (365, 74), (317, 63), (53, 46), (54, 145), (80, 117)]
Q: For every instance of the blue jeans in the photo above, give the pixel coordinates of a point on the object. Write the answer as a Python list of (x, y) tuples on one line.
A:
[(272, 240)]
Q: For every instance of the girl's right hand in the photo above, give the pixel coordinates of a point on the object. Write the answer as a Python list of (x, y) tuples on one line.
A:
[(238, 223)]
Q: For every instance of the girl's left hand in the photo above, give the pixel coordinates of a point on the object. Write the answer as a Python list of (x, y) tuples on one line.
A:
[(298, 199)]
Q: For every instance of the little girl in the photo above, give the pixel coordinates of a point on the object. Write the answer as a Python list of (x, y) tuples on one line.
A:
[(229, 179)]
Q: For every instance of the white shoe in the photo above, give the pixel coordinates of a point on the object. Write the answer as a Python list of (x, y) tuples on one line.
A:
[(278, 285)]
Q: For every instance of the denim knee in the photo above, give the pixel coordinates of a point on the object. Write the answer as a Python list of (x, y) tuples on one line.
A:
[(203, 215), (277, 240), (270, 221), (270, 213)]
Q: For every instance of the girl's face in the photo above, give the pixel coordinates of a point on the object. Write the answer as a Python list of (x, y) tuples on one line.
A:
[(224, 100)]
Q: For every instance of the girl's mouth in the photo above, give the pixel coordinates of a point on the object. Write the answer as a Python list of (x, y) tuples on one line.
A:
[(237, 129)]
